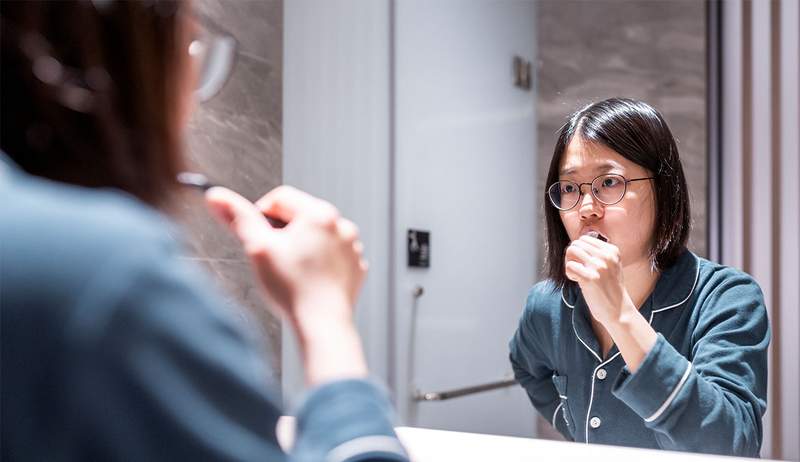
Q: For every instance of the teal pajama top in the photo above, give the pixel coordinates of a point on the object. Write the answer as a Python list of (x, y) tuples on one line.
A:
[(702, 387)]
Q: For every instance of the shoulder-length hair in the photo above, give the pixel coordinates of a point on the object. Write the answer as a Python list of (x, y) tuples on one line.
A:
[(637, 132), (89, 92)]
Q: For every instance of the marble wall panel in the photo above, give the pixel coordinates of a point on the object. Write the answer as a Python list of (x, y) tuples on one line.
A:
[(236, 140), (651, 50)]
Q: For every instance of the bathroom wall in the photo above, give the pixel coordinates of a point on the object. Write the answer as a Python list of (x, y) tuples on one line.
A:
[(236, 140), (645, 49), (651, 50)]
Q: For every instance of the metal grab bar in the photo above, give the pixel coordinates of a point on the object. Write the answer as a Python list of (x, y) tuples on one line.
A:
[(443, 395)]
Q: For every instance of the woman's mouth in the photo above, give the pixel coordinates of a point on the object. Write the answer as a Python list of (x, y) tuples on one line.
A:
[(597, 235)]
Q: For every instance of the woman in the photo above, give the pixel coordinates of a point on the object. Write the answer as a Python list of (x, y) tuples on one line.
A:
[(632, 339), (114, 347)]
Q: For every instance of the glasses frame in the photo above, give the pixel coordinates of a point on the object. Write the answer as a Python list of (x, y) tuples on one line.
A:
[(220, 61), (591, 190)]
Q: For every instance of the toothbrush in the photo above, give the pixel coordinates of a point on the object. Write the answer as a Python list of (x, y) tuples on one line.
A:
[(597, 235), (201, 182)]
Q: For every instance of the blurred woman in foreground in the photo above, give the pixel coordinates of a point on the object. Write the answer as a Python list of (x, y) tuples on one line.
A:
[(113, 347)]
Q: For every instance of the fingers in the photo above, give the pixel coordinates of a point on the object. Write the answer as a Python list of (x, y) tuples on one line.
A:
[(347, 230), (588, 258), (577, 272), (598, 249), (286, 203), (580, 254), (240, 215)]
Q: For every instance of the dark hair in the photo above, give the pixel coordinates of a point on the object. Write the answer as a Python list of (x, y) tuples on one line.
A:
[(89, 92), (637, 132)]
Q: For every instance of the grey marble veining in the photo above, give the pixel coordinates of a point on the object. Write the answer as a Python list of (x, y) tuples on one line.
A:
[(244, 297), (645, 49), (236, 140)]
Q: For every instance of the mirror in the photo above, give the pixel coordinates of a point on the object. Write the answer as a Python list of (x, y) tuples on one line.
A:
[(441, 117)]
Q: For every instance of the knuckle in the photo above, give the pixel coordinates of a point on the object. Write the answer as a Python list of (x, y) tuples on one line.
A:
[(328, 212), (356, 231), (257, 251), (285, 190)]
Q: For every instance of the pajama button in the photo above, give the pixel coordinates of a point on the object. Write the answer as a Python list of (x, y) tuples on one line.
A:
[(595, 422), (601, 374)]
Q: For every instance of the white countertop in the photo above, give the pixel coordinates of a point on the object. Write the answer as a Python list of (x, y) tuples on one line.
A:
[(426, 445)]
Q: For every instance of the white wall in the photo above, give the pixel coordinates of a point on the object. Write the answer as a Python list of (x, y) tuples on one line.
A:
[(336, 141), (465, 171), (339, 128)]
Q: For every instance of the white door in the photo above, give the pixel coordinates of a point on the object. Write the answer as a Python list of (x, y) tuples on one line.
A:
[(464, 171)]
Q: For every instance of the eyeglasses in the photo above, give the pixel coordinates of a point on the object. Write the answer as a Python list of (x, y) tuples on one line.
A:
[(608, 189), (214, 49)]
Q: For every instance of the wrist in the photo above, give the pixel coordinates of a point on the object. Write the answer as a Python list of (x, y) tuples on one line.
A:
[(333, 353), (627, 317), (321, 309), (328, 339)]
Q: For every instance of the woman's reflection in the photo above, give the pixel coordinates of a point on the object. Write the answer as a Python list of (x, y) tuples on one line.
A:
[(633, 339)]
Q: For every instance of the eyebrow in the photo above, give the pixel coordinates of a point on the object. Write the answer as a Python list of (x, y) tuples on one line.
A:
[(604, 167)]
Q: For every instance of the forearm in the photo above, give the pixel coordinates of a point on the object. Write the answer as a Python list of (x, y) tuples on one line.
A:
[(688, 411), (633, 335), (334, 353), (330, 346)]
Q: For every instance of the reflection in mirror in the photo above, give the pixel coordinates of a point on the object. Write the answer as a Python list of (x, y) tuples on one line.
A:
[(458, 147)]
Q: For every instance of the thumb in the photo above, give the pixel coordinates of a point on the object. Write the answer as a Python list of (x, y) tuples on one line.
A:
[(240, 215)]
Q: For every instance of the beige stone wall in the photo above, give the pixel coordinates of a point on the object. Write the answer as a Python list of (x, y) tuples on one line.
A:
[(650, 50), (236, 139)]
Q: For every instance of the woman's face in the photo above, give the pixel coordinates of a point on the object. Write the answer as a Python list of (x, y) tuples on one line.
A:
[(627, 224)]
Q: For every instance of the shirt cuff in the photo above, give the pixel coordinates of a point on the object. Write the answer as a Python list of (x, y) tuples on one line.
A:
[(654, 386), (347, 420)]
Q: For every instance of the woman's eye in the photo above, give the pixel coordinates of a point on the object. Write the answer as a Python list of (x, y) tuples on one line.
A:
[(610, 182), (568, 188)]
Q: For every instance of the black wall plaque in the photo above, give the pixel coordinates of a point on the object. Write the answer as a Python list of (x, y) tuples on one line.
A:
[(419, 248)]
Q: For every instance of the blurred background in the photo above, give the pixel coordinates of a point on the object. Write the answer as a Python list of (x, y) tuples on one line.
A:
[(431, 125)]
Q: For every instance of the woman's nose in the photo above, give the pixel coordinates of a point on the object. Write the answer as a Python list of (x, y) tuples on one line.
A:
[(589, 206)]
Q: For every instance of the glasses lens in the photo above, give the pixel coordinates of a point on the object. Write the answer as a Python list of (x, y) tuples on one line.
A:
[(564, 194), (215, 56), (609, 189)]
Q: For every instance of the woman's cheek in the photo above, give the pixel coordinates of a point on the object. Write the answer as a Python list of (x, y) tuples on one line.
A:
[(571, 223)]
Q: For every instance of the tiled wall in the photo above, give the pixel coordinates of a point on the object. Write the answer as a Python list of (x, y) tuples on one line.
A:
[(650, 50), (236, 139), (645, 49)]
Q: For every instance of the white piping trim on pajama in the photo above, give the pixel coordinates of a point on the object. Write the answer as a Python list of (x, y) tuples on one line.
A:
[(696, 278), (364, 444), (672, 395), (584, 344), (565, 300), (555, 413), (576, 332)]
